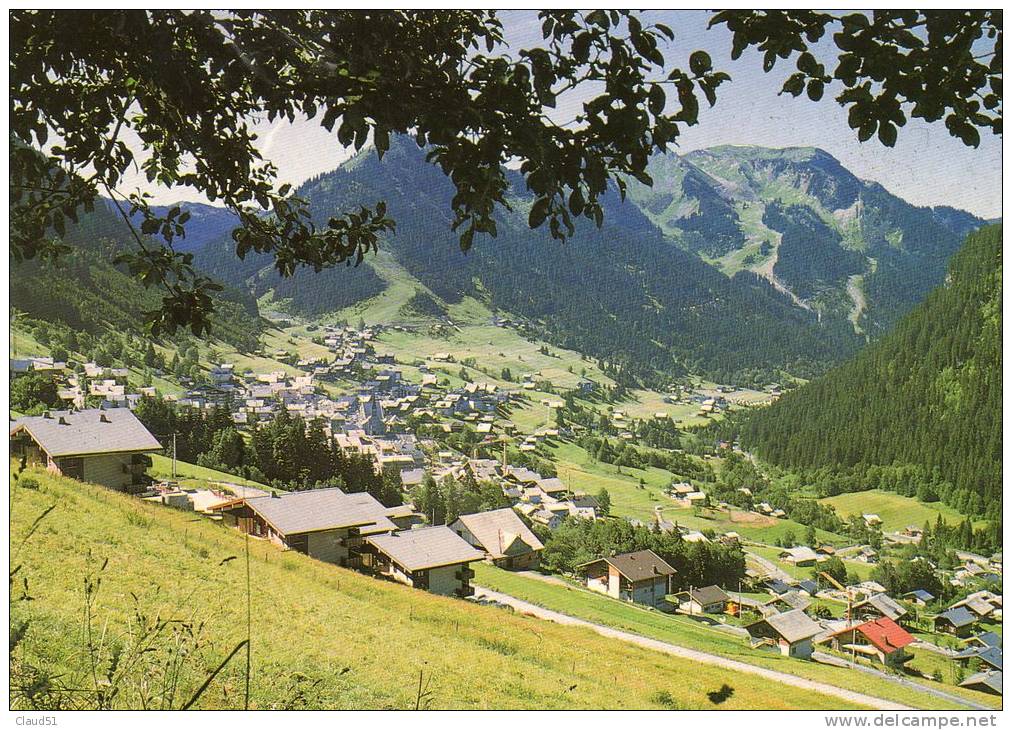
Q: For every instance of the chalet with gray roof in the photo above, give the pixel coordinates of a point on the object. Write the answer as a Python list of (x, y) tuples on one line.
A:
[(985, 640), (787, 601), (976, 603), (708, 599), (107, 447), (919, 597), (989, 682), (640, 577), (504, 537), (801, 556), (957, 621), (325, 524), (879, 605), (791, 632), (434, 559)]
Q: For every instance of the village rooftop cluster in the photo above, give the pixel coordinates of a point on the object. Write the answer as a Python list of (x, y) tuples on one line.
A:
[(108, 445)]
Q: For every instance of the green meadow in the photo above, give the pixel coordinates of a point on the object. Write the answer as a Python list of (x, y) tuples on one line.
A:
[(321, 636)]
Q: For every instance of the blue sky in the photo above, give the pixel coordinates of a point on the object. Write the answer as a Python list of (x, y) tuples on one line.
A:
[(926, 167)]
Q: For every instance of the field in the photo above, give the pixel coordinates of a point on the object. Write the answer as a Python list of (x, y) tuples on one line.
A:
[(628, 499), (583, 474), (696, 634), (861, 570), (897, 512), (24, 345), (322, 637)]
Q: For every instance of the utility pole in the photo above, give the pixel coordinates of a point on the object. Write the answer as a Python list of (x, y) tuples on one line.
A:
[(173, 454)]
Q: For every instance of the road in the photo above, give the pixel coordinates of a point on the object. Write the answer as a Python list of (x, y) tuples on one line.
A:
[(826, 658), (771, 569), (876, 703)]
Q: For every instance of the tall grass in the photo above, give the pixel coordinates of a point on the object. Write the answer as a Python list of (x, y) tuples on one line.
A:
[(140, 668)]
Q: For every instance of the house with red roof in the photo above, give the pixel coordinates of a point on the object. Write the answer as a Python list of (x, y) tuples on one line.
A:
[(882, 640)]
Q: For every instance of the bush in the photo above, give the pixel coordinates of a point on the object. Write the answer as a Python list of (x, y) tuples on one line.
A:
[(663, 698)]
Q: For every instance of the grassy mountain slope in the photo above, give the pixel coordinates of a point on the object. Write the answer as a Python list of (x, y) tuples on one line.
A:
[(322, 637), (926, 396)]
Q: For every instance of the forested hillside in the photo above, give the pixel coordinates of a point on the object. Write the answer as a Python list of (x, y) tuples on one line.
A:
[(740, 263), (622, 293), (86, 292), (919, 411)]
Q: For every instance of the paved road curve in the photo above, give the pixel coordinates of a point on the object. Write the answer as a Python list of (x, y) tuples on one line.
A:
[(876, 703)]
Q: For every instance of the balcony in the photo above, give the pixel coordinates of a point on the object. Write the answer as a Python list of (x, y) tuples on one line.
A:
[(464, 592), (464, 574)]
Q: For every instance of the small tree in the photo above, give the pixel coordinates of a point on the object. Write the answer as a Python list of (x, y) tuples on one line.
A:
[(835, 568), (33, 393), (604, 501)]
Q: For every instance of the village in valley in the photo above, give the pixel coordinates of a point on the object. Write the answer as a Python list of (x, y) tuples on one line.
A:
[(494, 360), (504, 486)]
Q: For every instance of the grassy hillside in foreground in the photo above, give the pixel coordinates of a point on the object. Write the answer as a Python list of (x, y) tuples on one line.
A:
[(695, 634), (322, 637)]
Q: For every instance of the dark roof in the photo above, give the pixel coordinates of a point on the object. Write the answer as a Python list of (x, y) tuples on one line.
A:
[(637, 566), (991, 656), (92, 431), (988, 638), (584, 500), (809, 586), (708, 595), (958, 617), (777, 586), (792, 599), (921, 594)]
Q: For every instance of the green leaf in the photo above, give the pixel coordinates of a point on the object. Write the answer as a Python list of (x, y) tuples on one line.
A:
[(887, 134), (794, 84), (576, 202), (656, 99), (581, 47), (539, 211), (599, 18), (382, 139), (699, 62)]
